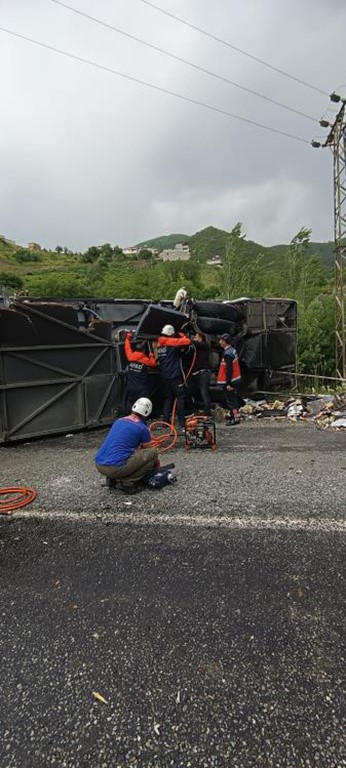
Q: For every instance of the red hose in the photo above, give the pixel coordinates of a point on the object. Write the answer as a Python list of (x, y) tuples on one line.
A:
[(24, 496), (159, 441)]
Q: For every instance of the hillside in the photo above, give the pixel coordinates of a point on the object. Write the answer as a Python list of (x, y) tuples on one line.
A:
[(212, 241), (325, 251), (165, 241)]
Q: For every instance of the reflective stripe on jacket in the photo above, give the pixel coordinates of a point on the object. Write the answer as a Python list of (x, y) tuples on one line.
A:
[(229, 370), (169, 350)]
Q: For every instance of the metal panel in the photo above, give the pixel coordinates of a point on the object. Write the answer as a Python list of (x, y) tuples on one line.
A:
[(45, 391)]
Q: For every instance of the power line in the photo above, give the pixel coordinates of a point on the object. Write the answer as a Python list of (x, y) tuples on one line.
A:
[(183, 61), (152, 86), (234, 47)]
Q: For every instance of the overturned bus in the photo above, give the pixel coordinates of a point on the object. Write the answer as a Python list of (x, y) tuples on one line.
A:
[(62, 362)]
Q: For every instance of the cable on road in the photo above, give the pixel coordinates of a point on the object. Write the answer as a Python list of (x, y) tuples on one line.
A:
[(23, 497)]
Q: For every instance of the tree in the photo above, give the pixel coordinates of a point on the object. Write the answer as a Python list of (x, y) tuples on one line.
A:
[(58, 285), (118, 252), (144, 254), (91, 254), (59, 249), (10, 281), (106, 251), (302, 276), (316, 337), (240, 275), (22, 255)]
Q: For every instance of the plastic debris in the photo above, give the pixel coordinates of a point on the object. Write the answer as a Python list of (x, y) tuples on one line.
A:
[(157, 729), (98, 697), (339, 423), (326, 411), (294, 410)]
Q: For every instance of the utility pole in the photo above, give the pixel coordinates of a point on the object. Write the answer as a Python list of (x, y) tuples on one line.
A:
[(336, 140)]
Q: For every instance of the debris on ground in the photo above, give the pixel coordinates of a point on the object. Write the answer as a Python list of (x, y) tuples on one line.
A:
[(326, 411), (98, 697)]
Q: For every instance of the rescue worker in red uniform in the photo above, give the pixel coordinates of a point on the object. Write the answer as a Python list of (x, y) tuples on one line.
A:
[(137, 375), (229, 377), (169, 349)]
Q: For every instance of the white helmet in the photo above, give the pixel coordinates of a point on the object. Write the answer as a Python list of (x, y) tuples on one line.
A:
[(143, 406), (168, 330)]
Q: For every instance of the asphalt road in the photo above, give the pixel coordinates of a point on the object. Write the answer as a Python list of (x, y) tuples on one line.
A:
[(210, 615)]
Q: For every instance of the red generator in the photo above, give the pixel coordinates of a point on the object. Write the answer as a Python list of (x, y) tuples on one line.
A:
[(200, 432)]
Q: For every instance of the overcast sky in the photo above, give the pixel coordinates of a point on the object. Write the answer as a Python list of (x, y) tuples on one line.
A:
[(87, 157)]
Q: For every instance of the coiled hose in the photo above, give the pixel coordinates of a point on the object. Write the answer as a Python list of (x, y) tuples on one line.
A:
[(23, 497)]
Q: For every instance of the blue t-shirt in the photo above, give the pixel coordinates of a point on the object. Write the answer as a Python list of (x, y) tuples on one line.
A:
[(123, 439)]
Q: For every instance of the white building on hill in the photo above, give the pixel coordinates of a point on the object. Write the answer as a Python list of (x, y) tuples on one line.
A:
[(215, 261), (180, 252)]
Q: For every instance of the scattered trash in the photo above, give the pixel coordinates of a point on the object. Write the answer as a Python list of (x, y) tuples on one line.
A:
[(157, 729), (326, 411), (339, 423), (100, 698), (296, 409), (178, 698), (316, 406), (69, 435)]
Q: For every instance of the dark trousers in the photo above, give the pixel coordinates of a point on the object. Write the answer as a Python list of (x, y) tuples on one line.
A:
[(174, 389), (231, 397), (133, 392), (134, 469), (198, 389)]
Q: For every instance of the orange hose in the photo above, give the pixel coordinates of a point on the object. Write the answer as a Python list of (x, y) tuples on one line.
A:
[(159, 441), (24, 496), (185, 380)]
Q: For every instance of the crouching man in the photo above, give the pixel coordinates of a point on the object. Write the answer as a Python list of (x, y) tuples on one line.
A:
[(122, 458)]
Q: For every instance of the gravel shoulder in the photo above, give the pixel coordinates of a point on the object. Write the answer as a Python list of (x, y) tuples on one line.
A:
[(261, 470)]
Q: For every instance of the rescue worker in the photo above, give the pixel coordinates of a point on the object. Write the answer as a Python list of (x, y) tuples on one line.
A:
[(169, 349), (137, 375), (125, 456), (229, 377), (198, 382)]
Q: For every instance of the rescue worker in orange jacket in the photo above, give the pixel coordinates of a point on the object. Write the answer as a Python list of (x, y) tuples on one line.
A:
[(137, 374), (169, 349), (229, 377)]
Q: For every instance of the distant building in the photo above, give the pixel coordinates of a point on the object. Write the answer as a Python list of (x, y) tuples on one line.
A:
[(180, 252), (34, 247), (7, 240), (215, 261), (132, 250)]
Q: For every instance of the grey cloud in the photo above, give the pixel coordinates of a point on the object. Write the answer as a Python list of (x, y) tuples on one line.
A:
[(87, 157)]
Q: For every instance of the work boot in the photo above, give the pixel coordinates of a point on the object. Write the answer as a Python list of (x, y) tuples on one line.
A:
[(130, 490), (232, 419), (111, 483)]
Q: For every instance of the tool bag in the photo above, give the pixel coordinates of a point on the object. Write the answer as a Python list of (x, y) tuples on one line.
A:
[(162, 476)]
